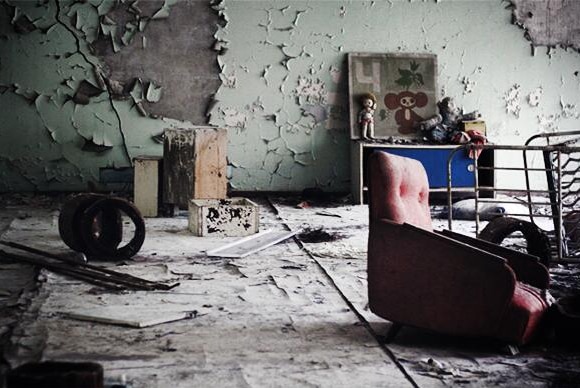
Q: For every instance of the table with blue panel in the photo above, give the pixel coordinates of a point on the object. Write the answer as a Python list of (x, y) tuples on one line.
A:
[(433, 157)]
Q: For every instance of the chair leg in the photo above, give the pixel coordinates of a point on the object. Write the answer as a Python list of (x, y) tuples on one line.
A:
[(392, 333), (512, 350)]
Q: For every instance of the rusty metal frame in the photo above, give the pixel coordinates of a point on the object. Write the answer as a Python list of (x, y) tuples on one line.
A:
[(556, 153)]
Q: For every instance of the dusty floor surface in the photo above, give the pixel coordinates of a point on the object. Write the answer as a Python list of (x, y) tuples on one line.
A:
[(294, 314)]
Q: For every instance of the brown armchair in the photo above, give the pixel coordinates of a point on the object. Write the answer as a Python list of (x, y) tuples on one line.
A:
[(443, 281)]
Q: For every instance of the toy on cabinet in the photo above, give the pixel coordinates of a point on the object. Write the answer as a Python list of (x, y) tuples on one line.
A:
[(366, 118), (445, 127)]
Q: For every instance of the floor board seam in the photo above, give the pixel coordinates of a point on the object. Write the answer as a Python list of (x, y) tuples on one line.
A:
[(350, 305)]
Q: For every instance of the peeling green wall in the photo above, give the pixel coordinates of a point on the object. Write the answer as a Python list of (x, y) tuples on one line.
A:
[(287, 60), (68, 109), (283, 92)]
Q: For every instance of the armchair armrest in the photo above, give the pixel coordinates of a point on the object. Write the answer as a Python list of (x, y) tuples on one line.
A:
[(527, 267), (425, 279)]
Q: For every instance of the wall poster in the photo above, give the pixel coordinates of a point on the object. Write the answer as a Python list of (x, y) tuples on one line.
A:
[(404, 87)]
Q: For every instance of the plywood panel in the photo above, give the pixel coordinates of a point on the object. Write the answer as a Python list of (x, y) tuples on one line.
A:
[(195, 164), (209, 179), (146, 185)]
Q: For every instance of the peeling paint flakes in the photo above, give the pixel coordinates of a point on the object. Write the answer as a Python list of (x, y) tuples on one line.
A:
[(111, 32), (310, 90), (153, 93), (105, 7), (569, 110), (233, 118), (548, 123), (297, 17), (534, 97), (162, 13), (130, 32), (229, 80), (512, 99), (265, 73), (267, 25), (468, 85), (256, 107), (137, 91)]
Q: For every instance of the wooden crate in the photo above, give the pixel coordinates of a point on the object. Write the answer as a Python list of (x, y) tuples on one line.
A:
[(146, 188), (194, 164), (223, 217)]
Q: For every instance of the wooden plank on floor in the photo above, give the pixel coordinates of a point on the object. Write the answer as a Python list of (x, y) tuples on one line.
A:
[(251, 244)]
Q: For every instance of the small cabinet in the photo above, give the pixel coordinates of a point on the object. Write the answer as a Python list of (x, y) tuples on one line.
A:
[(434, 158)]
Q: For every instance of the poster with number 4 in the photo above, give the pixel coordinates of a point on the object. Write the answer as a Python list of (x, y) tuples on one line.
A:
[(404, 87)]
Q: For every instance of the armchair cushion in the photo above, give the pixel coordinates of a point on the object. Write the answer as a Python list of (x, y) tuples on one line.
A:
[(399, 190)]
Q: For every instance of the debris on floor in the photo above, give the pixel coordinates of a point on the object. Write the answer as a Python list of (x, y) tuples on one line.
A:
[(80, 270), (56, 374), (298, 307), (251, 244), (465, 209), (319, 236), (130, 316), (233, 217)]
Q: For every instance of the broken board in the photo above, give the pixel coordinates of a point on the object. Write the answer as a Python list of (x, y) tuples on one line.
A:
[(251, 244), (127, 316)]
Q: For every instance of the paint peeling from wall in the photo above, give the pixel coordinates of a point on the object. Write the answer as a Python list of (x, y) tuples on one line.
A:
[(229, 80), (468, 85), (550, 23), (512, 100), (553, 122), (535, 96), (53, 82), (234, 118), (296, 65), (281, 74), (310, 90)]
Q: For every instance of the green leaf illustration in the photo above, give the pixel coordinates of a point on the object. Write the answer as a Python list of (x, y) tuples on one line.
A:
[(410, 77), (419, 78)]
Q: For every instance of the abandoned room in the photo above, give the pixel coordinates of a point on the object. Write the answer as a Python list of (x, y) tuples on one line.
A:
[(289, 193)]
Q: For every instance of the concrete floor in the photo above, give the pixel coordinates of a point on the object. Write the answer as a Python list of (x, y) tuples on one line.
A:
[(294, 314)]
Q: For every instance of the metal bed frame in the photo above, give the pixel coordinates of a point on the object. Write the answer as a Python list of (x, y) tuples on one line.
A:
[(558, 198)]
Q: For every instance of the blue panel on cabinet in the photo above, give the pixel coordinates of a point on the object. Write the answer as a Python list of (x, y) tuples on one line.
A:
[(435, 162)]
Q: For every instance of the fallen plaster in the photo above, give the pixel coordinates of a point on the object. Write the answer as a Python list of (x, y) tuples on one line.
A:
[(294, 314), (548, 23), (273, 311)]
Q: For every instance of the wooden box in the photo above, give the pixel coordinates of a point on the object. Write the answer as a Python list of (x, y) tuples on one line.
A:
[(223, 217), (195, 164)]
